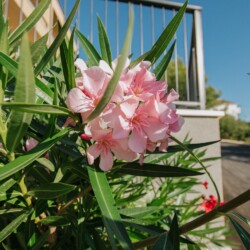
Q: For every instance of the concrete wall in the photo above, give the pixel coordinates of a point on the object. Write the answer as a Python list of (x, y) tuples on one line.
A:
[(203, 126)]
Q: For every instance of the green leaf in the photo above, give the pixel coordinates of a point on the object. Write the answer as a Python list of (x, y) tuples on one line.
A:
[(244, 235), (139, 59), (166, 36), (139, 212), (46, 163), (51, 190), (40, 242), (7, 185), (89, 49), (179, 148), (4, 47), (1, 8), (170, 240), (57, 42), (55, 221), (38, 108), (30, 21), (162, 66), (23, 161), (117, 73), (41, 89), (63, 55), (104, 43), (70, 61), (9, 195), (38, 48), (111, 216), (241, 217), (13, 225), (11, 210), (154, 170), (24, 92), (200, 162)]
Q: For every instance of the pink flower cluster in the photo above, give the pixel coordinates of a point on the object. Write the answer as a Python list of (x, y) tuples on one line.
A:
[(139, 117)]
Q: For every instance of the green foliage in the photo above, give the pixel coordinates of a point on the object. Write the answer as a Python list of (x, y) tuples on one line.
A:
[(50, 197), (212, 96), (171, 78), (230, 128)]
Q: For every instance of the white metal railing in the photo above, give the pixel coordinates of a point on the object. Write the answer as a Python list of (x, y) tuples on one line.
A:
[(151, 16)]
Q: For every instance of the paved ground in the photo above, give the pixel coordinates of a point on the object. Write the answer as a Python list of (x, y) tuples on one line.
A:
[(236, 174)]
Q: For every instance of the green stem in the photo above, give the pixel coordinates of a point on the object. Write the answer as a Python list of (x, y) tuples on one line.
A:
[(21, 183), (217, 212), (24, 190), (205, 169)]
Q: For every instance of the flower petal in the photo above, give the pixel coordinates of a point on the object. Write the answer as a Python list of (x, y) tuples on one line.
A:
[(78, 102), (106, 161), (92, 153), (137, 141)]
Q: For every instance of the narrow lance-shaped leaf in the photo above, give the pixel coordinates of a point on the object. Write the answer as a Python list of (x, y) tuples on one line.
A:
[(117, 73), (38, 48), (90, 51), (38, 108), (244, 235), (104, 43), (185, 147), (30, 21), (155, 170), (4, 47), (162, 66), (63, 55), (1, 8), (24, 92), (165, 37), (57, 42), (106, 203), (51, 190), (12, 226), (170, 240), (70, 61), (162, 42), (41, 89), (178, 148), (23, 161)]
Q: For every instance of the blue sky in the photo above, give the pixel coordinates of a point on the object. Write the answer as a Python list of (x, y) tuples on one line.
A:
[(226, 32)]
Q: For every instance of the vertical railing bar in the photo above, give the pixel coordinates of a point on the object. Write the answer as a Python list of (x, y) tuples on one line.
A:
[(130, 4), (65, 8), (176, 61), (91, 22), (141, 30), (21, 12), (106, 15), (35, 27), (186, 56), (78, 27), (194, 73), (152, 25), (6, 8), (117, 26), (200, 58), (163, 27)]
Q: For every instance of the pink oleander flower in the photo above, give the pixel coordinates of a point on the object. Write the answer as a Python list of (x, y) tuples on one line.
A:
[(139, 118), (106, 147)]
